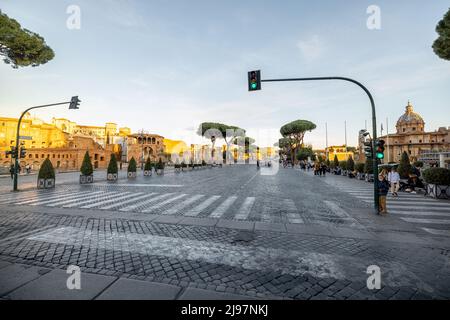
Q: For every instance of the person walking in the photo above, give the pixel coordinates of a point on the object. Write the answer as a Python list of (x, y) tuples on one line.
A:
[(383, 189), (394, 179), (11, 171)]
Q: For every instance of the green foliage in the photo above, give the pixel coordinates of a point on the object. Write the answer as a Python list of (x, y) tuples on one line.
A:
[(132, 165), (160, 165), (148, 164), (343, 165), (336, 161), (86, 166), (214, 130), (46, 171), (328, 163), (297, 129), (112, 166), (440, 176), (359, 167), (368, 166), (304, 153), (21, 47), (404, 168), (350, 164), (441, 45), (418, 164)]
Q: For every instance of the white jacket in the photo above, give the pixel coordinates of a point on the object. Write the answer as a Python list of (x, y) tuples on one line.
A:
[(393, 177)]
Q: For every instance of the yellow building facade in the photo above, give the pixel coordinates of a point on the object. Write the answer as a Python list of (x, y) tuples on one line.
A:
[(340, 151)]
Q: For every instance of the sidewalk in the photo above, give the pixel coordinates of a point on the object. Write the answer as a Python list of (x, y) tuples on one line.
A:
[(24, 282)]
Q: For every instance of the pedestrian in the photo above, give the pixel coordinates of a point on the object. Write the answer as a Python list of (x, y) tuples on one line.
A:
[(394, 179), (383, 189), (11, 171)]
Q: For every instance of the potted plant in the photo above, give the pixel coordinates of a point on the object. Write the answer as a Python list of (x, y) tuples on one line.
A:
[(112, 169), (148, 168), (404, 168), (160, 167), (368, 170), (46, 176), (132, 168), (360, 169), (350, 166), (437, 182), (177, 166), (87, 171)]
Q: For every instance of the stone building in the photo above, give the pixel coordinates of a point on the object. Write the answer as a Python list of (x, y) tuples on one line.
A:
[(144, 145), (411, 137)]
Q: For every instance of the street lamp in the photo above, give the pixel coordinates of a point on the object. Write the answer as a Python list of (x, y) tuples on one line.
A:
[(73, 104)]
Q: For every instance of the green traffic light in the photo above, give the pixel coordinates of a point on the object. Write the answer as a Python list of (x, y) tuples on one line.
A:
[(380, 155), (254, 85)]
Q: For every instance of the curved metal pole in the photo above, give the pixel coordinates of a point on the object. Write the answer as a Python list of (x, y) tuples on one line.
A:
[(16, 160), (374, 124)]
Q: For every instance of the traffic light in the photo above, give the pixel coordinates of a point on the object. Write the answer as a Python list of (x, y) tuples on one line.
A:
[(74, 103), (12, 152), (368, 150), (23, 152), (254, 80), (380, 149)]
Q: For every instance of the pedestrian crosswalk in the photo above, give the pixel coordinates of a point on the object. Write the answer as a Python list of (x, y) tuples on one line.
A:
[(428, 214), (172, 203)]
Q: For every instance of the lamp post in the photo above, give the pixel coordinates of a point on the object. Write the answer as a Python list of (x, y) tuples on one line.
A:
[(73, 104), (257, 78)]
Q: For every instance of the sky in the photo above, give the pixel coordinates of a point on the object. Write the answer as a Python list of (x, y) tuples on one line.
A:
[(165, 66)]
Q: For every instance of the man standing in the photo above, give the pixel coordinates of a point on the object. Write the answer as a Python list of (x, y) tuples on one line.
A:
[(383, 188), (394, 179)]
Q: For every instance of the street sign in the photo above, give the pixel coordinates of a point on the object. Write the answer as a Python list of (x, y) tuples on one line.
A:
[(25, 138)]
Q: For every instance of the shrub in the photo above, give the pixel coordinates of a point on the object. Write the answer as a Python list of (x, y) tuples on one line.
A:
[(418, 164), (439, 176), (336, 161), (132, 165), (368, 166), (183, 164), (359, 167), (112, 166), (404, 168), (343, 165), (86, 166), (350, 164), (160, 165), (46, 171), (148, 164), (327, 163)]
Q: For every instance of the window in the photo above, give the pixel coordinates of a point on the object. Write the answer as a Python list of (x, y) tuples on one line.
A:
[(420, 141), (42, 156), (414, 128), (54, 156), (409, 151), (30, 156), (36, 156), (404, 129)]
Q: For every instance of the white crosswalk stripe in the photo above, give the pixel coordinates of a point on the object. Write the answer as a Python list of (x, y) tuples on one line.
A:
[(202, 206), (36, 197), (409, 207), (87, 199), (115, 205), (292, 212), (74, 200), (175, 209), (60, 199), (245, 209), (223, 207), (163, 203), (124, 196), (143, 203)]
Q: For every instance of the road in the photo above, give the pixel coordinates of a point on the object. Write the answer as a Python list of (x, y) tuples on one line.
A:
[(221, 233)]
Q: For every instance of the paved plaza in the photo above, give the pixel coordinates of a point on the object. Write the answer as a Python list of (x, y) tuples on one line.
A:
[(222, 233)]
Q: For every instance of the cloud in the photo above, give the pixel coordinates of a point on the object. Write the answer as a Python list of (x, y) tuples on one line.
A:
[(311, 48)]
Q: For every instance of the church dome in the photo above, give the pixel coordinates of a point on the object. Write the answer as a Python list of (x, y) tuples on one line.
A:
[(410, 117), (410, 121)]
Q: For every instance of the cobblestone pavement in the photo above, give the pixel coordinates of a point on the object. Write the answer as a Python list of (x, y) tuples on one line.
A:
[(228, 230)]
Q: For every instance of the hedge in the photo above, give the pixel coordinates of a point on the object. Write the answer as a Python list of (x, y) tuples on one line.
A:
[(86, 166), (112, 166), (132, 165), (440, 176), (46, 171)]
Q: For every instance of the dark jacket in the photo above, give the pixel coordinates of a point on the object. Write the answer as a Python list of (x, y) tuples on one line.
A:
[(383, 187)]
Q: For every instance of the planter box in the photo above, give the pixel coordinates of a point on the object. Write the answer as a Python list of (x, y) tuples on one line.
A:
[(112, 177), (438, 191), (131, 175), (160, 172), (147, 173), (46, 183), (86, 179), (177, 170)]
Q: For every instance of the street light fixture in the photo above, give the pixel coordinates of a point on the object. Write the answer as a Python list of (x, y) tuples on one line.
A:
[(73, 104)]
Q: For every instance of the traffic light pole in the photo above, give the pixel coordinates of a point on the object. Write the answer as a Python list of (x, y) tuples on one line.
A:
[(16, 160), (374, 125)]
